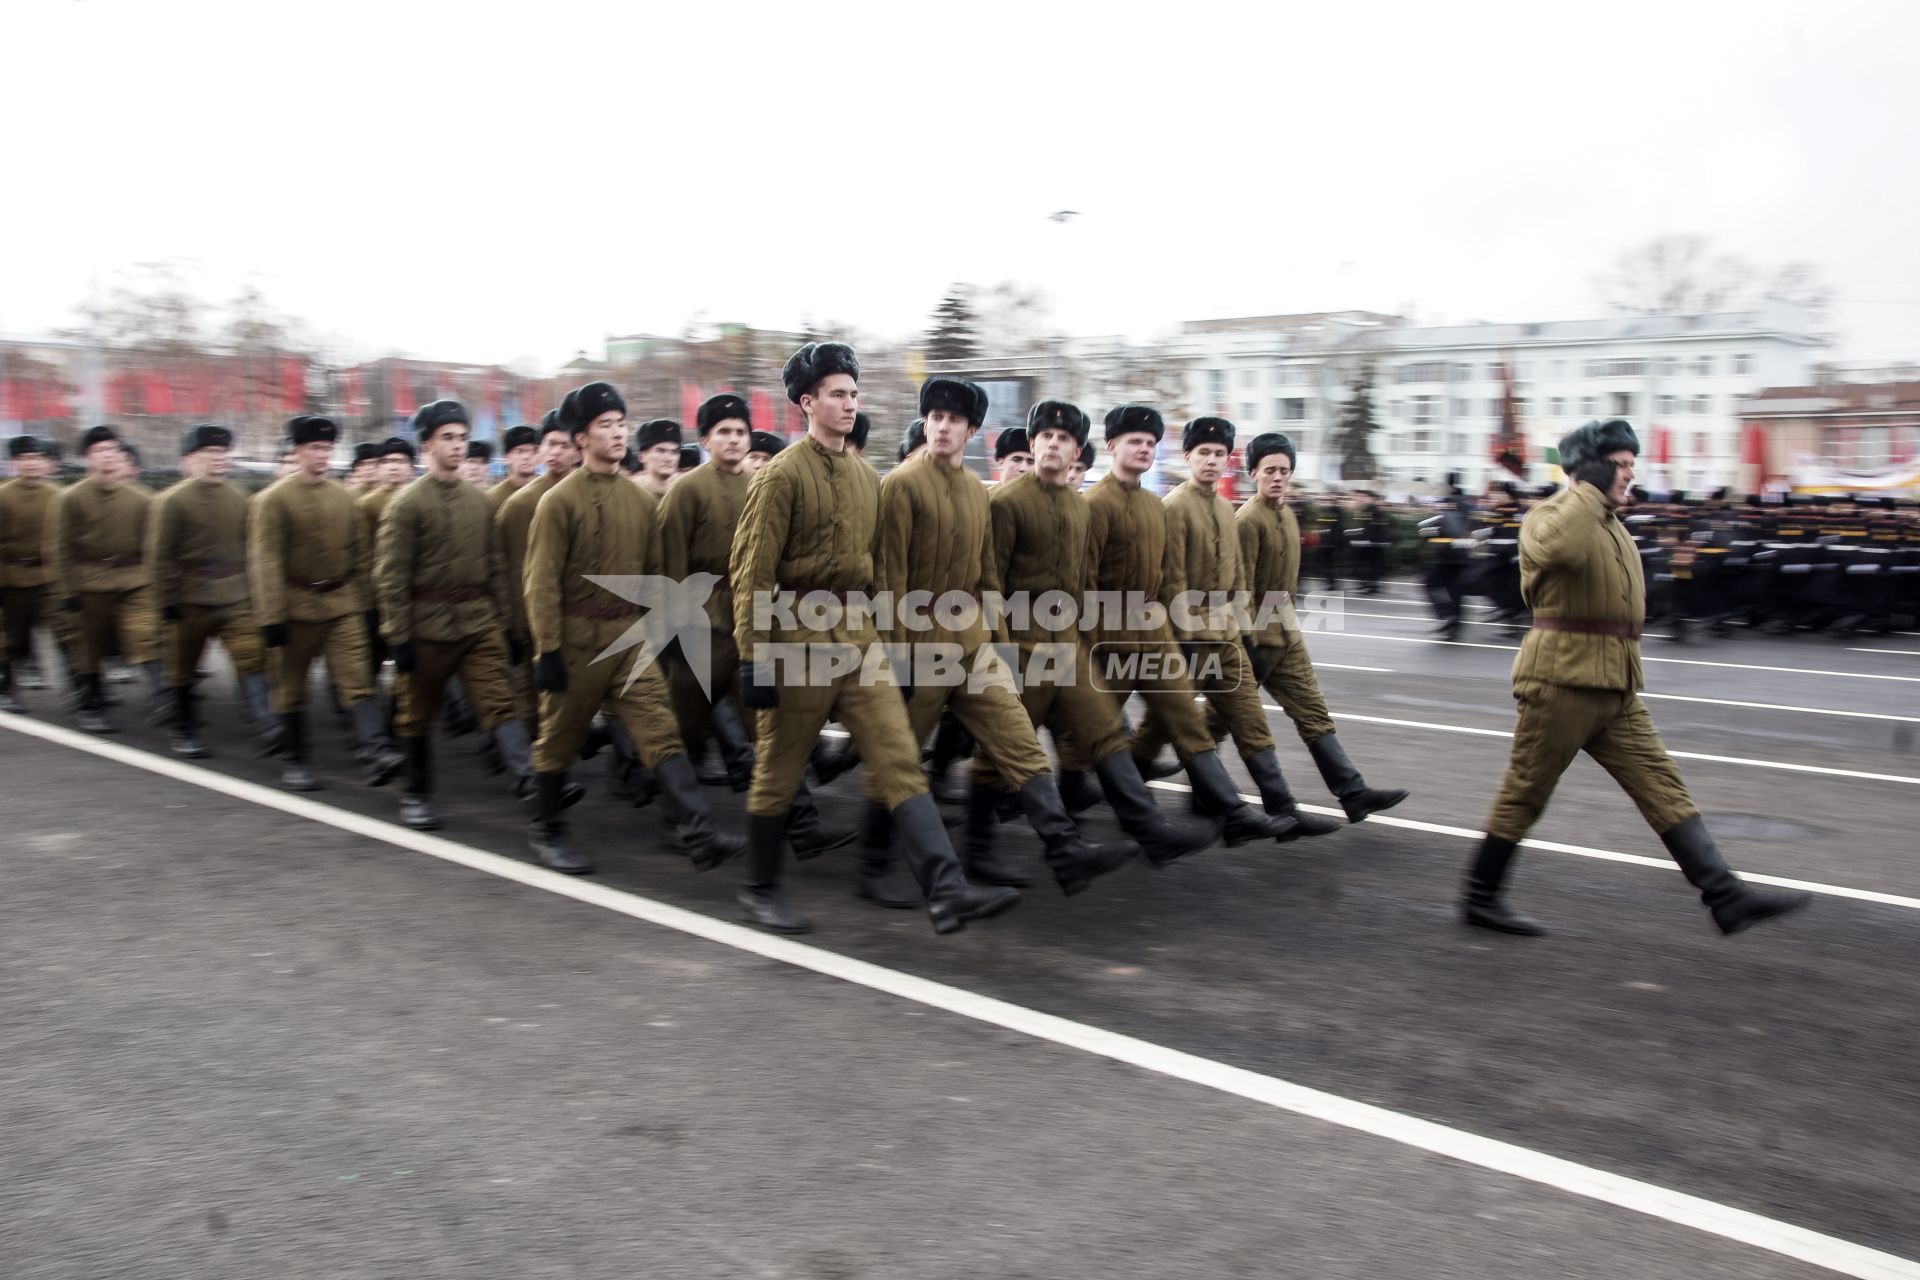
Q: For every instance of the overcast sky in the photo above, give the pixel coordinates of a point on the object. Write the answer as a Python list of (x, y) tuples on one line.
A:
[(489, 183)]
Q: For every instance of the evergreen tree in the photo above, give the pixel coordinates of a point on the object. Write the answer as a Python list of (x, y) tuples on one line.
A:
[(1355, 433), (952, 336)]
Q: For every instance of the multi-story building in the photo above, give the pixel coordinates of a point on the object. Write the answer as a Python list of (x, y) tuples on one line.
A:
[(1437, 391), (1837, 436)]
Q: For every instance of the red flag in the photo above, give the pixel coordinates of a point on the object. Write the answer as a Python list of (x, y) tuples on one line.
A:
[(158, 393), (351, 391), (760, 408), (402, 383), (293, 383), (1662, 446), (493, 395), (53, 400), (689, 403)]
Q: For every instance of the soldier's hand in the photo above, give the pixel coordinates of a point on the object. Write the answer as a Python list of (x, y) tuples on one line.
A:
[(274, 634), (519, 649), (550, 673), (757, 687), (402, 656), (170, 612), (1253, 659), (1598, 472)]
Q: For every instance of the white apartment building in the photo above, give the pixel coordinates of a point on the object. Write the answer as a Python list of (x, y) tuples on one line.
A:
[(1437, 391)]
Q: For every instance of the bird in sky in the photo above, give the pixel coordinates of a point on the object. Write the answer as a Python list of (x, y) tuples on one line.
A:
[(1062, 215)]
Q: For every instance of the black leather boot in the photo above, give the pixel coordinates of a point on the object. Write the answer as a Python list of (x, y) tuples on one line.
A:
[(830, 761), (1161, 838), (458, 714), (1213, 793), (182, 738), (416, 802), (547, 833), (1075, 862), (516, 754), (1483, 905), (376, 749), (952, 903), (734, 742), (160, 704), (296, 776), (91, 715), (978, 856), (8, 702), (951, 742), (1277, 798), (1077, 791), (808, 833), (269, 733), (763, 901), (882, 878), (707, 846), (1735, 904), (1358, 799), (1158, 768)]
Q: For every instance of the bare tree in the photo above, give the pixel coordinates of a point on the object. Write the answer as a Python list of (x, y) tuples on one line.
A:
[(1675, 275)]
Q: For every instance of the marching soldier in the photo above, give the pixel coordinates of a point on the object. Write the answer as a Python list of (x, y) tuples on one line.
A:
[(514, 522), (914, 443), (697, 523), (1203, 556), (441, 589), (594, 524), (1127, 557), (478, 464), (935, 535), (1039, 548), (197, 549), (808, 529), (857, 438), (1270, 559), (308, 556), (521, 452), (96, 535), (761, 447), (25, 571), (1077, 470), (1577, 680), (363, 470), (394, 473), (1012, 454)]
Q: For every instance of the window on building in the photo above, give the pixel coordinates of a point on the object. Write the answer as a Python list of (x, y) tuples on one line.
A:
[(1493, 371), (1293, 410), (1217, 387), (1701, 404), (1557, 407), (1742, 365), (1493, 408), (1421, 441), (1422, 371), (1666, 405), (1463, 373), (1249, 413), (1668, 366), (1559, 369), (1397, 409), (1458, 443), (1703, 366), (1524, 371), (1621, 403), (1463, 408), (1249, 377), (1588, 406), (1428, 409), (1624, 367)]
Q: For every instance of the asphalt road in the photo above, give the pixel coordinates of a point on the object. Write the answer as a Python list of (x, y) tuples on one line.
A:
[(240, 1043)]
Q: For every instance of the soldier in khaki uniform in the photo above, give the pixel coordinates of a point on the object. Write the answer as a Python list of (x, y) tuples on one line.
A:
[(478, 464), (197, 550), (513, 521), (808, 528), (25, 571), (596, 524), (761, 447), (1133, 642), (308, 555), (935, 536), (658, 445), (96, 537), (1012, 454), (1577, 678), (395, 472), (363, 471), (440, 586), (520, 450), (1270, 563), (1204, 575)]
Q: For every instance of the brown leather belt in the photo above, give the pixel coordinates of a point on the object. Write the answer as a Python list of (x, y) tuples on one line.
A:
[(603, 612), (1589, 627), (449, 595), (214, 569), (24, 562), (120, 562), (322, 587)]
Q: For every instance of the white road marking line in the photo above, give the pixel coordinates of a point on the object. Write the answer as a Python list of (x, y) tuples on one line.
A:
[(1682, 662), (1905, 653), (1775, 706), (1678, 755), (1830, 1252), (1342, 666), (1468, 622)]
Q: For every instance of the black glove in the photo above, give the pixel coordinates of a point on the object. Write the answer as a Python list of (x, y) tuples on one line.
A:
[(519, 649), (1598, 472), (757, 688), (402, 656), (1253, 659), (275, 635), (550, 673), (72, 604), (170, 612)]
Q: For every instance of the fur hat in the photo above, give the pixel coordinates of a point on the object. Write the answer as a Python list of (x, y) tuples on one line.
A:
[(1057, 415), (205, 436), (955, 395), (630, 461), (862, 427), (658, 431), (689, 456), (97, 435), (1012, 440), (915, 437), (1086, 454), (21, 446), (1126, 419), (441, 413), (812, 364), (1271, 442), (552, 423), (1596, 440), (719, 409), (1206, 431), (366, 451), (584, 404), (517, 436), (393, 446), (480, 449), (765, 442), (312, 428)]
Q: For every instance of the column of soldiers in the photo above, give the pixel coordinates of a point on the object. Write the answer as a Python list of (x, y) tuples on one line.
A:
[(536, 597)]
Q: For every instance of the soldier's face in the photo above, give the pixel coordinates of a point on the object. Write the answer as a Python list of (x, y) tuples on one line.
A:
[(1076, 474), (475, 470), (1623, 460), (397, 468), (522, 461), (605, 438), (446, 450), (727, 441), (32, 466), (361, 473), (1273, 476), (210, 464), (1205, 463), (947, 434), (1016, 464), (106, 461), (1055, 455), (755, 461), (661, 461), (559, 452), (312, 460), (1132, 453), (833, 404)]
